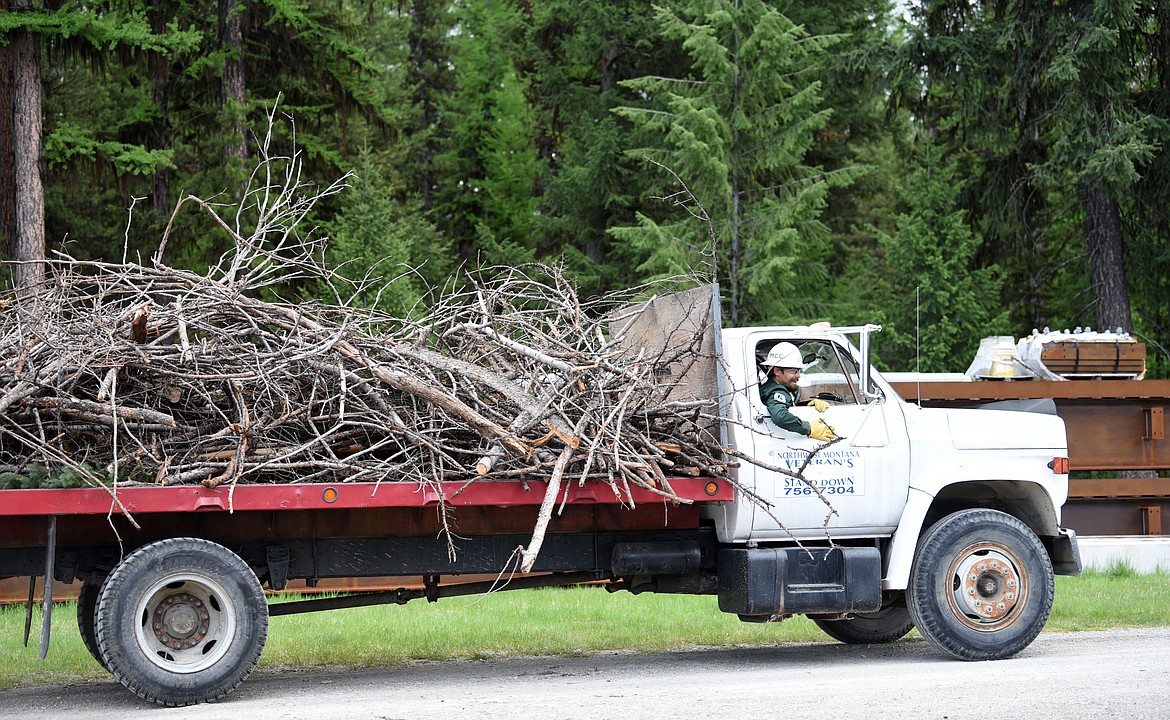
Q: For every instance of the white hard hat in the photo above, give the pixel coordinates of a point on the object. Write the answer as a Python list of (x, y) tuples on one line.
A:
[(784, 355)]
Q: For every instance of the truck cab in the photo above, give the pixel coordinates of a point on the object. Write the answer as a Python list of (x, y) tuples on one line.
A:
[(897, 476), (890, 453)]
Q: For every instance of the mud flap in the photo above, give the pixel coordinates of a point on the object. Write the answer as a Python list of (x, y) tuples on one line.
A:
[(1065, 553)]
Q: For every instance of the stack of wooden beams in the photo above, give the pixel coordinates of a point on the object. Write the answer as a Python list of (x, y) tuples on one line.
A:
[(1095, 358)]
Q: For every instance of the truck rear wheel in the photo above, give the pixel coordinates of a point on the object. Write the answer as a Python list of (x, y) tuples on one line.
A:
[(982, 585), (87, 600), (884, 626), (181, 621)]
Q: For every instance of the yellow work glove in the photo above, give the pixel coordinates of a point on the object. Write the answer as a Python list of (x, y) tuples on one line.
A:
[(818, 430), (820, 405)]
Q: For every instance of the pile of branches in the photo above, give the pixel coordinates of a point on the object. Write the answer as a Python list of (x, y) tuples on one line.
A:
[(115, 374), (161, 376)]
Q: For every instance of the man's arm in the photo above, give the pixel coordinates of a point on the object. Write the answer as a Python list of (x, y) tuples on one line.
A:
[(778, 402)]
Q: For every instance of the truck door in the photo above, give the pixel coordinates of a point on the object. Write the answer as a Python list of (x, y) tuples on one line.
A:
[(857, 485)]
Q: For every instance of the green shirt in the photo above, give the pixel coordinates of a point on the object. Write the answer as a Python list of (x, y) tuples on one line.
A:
[(778, 399)]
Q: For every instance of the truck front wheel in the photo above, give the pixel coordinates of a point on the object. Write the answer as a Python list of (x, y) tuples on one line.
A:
[(884, 626), (181, 621), (982, 585)]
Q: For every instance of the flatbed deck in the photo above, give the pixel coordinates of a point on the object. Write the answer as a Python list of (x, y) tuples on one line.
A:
[(245, 498)]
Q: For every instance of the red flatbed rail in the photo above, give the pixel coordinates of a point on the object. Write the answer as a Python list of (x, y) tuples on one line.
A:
[(244, 498)]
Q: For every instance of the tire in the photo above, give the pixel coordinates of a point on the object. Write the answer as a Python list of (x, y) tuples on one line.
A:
[(884, 626), (181, 621), (982, 585), (87, 600)]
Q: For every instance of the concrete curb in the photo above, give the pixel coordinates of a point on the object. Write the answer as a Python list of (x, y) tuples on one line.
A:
[(1146, 555)]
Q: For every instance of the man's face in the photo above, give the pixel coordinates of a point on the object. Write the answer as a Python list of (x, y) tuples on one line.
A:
[(788, 377)]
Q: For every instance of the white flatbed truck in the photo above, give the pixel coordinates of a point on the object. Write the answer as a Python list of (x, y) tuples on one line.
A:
[(944, 519)]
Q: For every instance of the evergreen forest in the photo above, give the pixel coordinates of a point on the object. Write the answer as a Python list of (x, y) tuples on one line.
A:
[(950, 169)]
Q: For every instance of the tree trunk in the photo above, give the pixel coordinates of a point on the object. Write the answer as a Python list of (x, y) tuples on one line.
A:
[(7, 187), (608, 64), (28, 246), (160, 70), (1106, 257), (232, 84), (425, 75), (735, 195)]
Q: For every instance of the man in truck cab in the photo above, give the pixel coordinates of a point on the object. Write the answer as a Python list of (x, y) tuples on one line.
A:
[(780, 392)]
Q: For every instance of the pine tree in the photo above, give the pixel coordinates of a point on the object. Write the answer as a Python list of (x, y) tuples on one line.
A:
[(371, 238), (933, 303), (860, 133), (489, 168), (1146, 212), (1044, 99), (736, 128), (581, 50), (75, 35), (426, 85), (148, 101)]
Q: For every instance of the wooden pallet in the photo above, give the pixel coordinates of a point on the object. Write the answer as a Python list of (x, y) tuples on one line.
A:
[(1074, 357)]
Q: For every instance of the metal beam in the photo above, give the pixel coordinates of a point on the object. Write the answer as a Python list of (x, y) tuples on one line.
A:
[(403, 595), (47, 612)]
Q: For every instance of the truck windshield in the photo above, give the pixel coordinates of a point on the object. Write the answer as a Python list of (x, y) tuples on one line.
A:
[(828, 374)]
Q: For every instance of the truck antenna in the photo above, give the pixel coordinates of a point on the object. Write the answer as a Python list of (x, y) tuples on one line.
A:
[(918, 341)]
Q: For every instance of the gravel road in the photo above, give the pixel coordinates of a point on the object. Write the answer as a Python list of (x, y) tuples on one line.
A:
[(1065, 676)]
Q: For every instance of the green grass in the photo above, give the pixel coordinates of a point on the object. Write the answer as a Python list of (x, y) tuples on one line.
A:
[(550, 621), (1117, 597)]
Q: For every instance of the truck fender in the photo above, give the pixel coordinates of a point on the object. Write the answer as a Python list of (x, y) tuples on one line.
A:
[(900, 555), (1029, 501)]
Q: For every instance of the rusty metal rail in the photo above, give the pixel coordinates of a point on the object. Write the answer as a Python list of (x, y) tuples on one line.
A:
[(15, 590)]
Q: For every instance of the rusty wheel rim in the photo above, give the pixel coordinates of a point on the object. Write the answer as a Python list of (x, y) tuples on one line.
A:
[(987, 588)]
